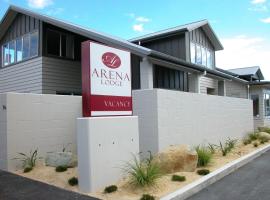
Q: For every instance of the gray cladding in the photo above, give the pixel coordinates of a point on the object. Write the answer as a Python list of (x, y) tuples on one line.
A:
[(173, 45), (199, 36), (23, 77)]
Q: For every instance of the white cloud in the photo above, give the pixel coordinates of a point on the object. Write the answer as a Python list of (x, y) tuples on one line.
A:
[(138, 27), (55, 11), (266, 20), (39, 4), (258, 1), (142, 19), (244, 51)]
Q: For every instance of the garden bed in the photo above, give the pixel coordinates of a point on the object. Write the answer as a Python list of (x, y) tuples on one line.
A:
[(163, 187)]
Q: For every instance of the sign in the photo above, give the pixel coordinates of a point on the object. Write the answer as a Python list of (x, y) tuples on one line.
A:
[(106, 80)]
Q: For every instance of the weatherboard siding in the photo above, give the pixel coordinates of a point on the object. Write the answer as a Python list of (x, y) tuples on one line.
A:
[(23, 77), (236, 89), (60, 75), (206, 82)]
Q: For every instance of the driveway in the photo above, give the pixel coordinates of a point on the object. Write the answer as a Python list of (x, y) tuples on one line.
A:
[(13, 187), (251, 182)]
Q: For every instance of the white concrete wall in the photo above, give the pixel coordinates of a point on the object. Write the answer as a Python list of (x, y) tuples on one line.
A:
[(189, 118), (46, 122)]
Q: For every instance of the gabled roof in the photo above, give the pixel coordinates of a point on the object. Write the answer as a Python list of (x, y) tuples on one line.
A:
[(89, 33), (204, 24), (254, 72)]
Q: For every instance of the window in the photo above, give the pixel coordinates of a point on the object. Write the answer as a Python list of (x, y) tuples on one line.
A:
[(198, 54), (192, 52), (20, 49), (255, 99), (60, 44), (201, 55), (170, 79), (209, 59), (267, 104)]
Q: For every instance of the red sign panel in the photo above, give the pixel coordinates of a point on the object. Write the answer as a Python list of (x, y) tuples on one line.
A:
[(106, 80)]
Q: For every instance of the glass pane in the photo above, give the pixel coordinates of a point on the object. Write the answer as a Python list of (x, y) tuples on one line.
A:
[(19, 49), (209, 59), (26, 42), (198, 54), (53, 43), (6, 55), (34, 44), (12, 52), (204, 56), (192, 52)]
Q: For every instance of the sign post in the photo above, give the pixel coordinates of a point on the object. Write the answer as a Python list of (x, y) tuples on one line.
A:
[(106, 81)]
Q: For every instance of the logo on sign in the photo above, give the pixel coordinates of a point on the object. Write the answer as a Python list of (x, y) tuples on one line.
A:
[(111, 60)]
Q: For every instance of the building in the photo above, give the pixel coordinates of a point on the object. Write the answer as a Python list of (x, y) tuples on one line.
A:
[(179, 93)]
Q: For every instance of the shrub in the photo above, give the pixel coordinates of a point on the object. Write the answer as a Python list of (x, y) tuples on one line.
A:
[(143, 173), (178, 178), (264, 129), (147, 197), (204, 155), (27, 169), (231, 143), (212, 148), (28, 161), (263, 139), (73, 181), (110, 189), (253, 136), (227, 147), (255, 144), (246, 141), (61, 168), (203, 172)]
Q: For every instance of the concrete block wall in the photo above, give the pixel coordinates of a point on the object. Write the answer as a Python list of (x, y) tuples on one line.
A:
[(189, 118), (46, 122)]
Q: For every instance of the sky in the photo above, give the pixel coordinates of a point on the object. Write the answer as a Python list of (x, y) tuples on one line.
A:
[(243, 26)]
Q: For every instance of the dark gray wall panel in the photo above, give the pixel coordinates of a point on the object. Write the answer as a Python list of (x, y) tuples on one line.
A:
[(198, 36)]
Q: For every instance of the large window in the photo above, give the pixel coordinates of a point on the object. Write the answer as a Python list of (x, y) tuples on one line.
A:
[(201, 55), (60, 44), (170, 79), (22, 48), (267, 104)]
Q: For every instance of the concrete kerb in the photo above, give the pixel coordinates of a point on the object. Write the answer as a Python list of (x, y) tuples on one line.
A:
[(211, 178)]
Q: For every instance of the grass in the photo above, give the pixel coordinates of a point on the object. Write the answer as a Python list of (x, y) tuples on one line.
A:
[(73, 181), (178, 178), (147, 197), (110, 189), (246, 141), (204, 155), (227, 147), (253, 136), (203, 172), (264, 129), (28, 161), (143, 173), (61, 168), (212, 148)]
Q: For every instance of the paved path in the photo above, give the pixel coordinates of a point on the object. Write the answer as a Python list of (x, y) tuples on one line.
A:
[(251, 182), (13, 187)]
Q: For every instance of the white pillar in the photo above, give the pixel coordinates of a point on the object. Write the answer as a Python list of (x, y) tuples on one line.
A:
[(194, 83), (146, 73), (221, 88)]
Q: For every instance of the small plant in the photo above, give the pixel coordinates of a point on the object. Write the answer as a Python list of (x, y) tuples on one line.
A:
[(61, 168), (143, 173), (253, 136), (147, 197), (264, 129), (110, 189), (224, 149), (246, 141), (28, 161), (73, 181), (212, 148), (203, 172), (178, 178), (27, 169), (204, 155), (231, 143), (255, 144), (263, 139)]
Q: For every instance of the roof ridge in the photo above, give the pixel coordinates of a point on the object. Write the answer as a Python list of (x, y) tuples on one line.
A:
[(244, 67)]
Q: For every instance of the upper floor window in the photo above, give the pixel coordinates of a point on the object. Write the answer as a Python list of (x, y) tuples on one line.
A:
[(267, 104), (201, 55), (60, 44), (22, 48)]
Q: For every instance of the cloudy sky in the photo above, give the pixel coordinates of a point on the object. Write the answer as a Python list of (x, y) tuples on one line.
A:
[(243, 26)]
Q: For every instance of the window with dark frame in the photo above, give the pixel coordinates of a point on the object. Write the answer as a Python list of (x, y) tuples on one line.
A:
[(59, 44), (255, 99), (267, 104), (173, 79), (201, 55)]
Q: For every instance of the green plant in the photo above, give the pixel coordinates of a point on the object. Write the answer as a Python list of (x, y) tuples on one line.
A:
[(264, 129), (246, 141), (253, 136), (110, 189), (224, 149), (255, 144), (147, 197), (212, 148), (143, 173), (73, 181), (231, 143), (27, 169), (61, 168), (204, 155), (28, 161), (263, 139), (178, 178), (203, 172)]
